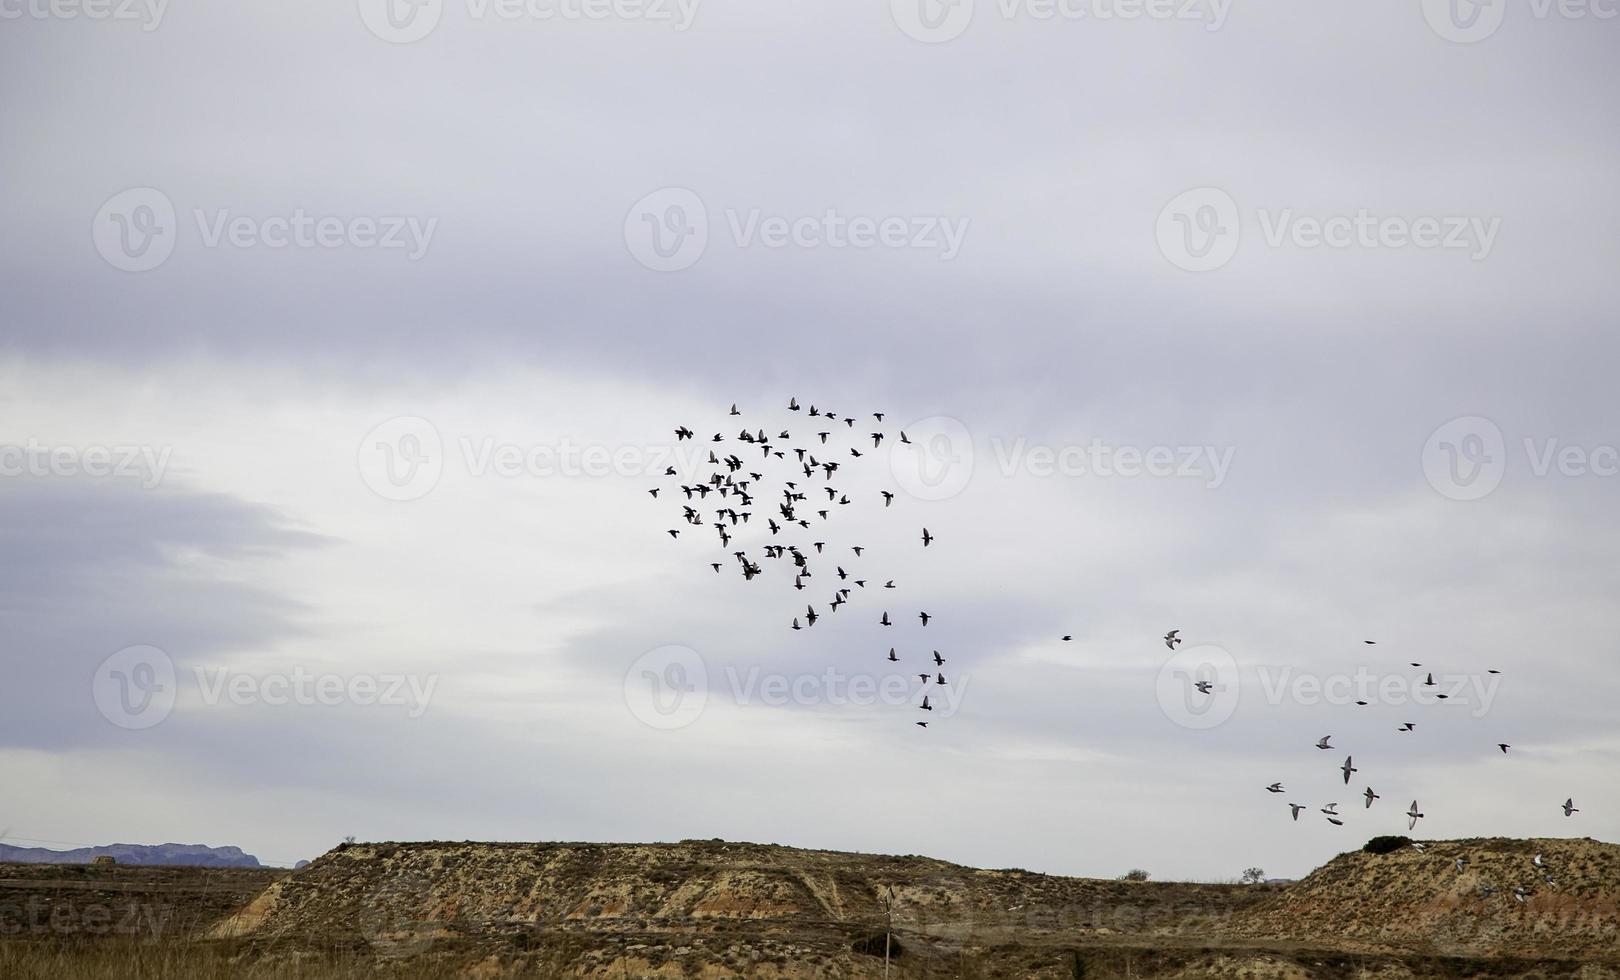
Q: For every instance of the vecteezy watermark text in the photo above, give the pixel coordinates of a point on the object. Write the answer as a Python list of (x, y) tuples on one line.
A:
[(408, 21), (138, 687), (668, 687), (1199, 230), (1467, 458), (938, 21), (148, 13), (137, 230), (669, 230), (125, 462)]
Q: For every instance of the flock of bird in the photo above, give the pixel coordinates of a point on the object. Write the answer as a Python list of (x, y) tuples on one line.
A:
[(1413, 813), (783, 486), (780, 491)]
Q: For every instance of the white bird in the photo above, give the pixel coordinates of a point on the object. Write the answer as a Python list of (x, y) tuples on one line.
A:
[(1462, 863), (1331, 809), (1537, 861), (1419, 845), (1519, 894), (1323, 742), (1412, 816)]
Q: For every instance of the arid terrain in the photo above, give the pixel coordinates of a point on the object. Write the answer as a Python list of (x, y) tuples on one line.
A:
[(719, 909)]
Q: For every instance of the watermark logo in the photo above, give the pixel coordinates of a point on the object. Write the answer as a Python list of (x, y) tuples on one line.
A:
[(667, 230), (1365, 686), (936, 460), (1199, 687), (401, 21), (937, 21), (402, 459), (667, 687), (1464, 21), (1199, 229), (136, 687), (1465, 458), (136, 229), (932, 21)]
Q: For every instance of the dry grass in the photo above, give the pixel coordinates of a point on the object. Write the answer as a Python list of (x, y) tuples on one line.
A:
[(190, 961)]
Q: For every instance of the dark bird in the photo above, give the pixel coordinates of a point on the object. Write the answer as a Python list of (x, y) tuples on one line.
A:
[(925, 705), (1347, 769), (1504, 747), (654, 492), (892, 657), (857, 548), (1274, 788), (674, 534), (682, 433), (1335, 821), (885, 620), (1406, 727), (922, 724), (927, 538), (1296, 807), (1369, 642), (924, 617), (1067, 637), (1369, 796), (888, 498), (796, 623), (715, 566), (1171, 639), (1322, 743), (1570, 807), (793, 404), (939, 661), (734, 409), (939, 678)]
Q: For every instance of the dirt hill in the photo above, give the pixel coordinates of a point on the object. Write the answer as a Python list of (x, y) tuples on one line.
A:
[(717, 909), (728, 906), (1420, 900)]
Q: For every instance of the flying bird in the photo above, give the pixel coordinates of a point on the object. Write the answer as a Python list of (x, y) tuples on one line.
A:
[(1347, 769), (1369, 796), (927, 538), (1171, 639), (1413, 816), (1570, 807), (1322, 743), (1274, 788), (1295, 808)]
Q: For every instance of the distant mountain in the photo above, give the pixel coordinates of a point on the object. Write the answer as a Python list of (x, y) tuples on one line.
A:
[(191, 855)]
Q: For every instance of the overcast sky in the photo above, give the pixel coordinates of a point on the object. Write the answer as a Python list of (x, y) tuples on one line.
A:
[(340, 343)]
